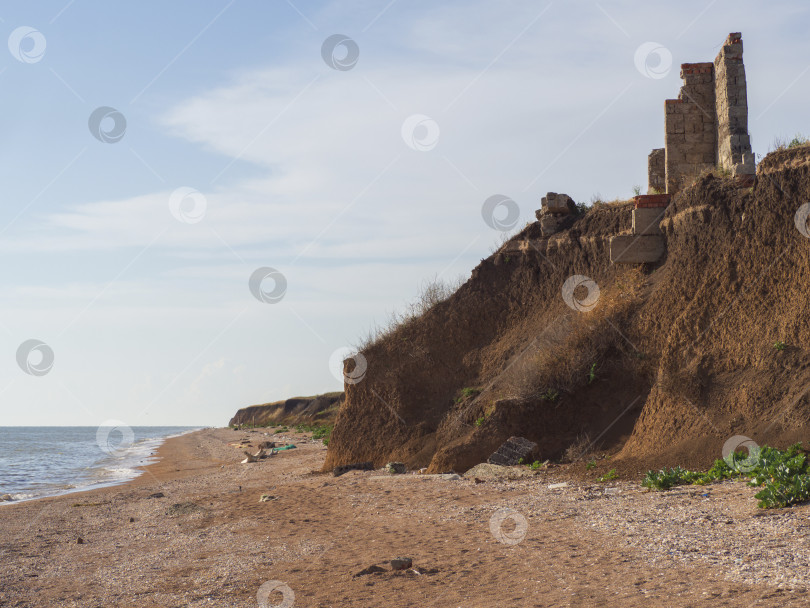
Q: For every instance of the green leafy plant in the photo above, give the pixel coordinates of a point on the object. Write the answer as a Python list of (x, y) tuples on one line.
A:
[(636, 190), (550, 395), (592, 374), (536, 465), (784, 475), (591, 464), (779, 345), (797, 141), (319, 431), (611, 474), (480, 421)]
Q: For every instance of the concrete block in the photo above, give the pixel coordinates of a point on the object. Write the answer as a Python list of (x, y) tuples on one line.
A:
[(514, 451), (558, 203), (551, 223), (633, 249), (646, 220)]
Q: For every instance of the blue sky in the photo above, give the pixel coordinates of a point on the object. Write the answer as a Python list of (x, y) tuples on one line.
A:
[(305, 169)]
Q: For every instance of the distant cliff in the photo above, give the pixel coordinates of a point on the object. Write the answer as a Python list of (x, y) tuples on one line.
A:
[(298, 410)]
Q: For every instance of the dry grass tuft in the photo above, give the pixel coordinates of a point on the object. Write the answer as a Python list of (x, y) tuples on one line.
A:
[(431, 293)]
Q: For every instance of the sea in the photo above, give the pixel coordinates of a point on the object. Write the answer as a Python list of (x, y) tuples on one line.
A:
[(41, 461)]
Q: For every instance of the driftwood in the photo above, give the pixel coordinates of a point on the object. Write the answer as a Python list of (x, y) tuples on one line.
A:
[(253, 457)]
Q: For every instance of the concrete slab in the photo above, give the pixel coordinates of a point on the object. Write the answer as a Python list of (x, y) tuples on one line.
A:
[(636, 249), (645, 221)]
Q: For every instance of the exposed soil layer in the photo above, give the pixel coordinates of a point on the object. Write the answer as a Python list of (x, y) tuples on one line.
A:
[(298, 410), (672, 361)]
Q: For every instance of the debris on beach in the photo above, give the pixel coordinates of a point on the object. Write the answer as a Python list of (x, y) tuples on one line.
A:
[(513, 451), (396, 468), (374, 569), (496, 471), (401, 563), (356, 466)]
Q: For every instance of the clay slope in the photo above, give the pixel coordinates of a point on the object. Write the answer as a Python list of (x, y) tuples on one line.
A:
[(298, 410), (671, 362)]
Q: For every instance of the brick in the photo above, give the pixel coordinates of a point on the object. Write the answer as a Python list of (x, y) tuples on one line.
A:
[(660, 199)]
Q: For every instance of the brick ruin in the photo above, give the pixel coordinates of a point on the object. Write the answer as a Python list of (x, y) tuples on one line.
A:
[(706, 129), (707, 125)]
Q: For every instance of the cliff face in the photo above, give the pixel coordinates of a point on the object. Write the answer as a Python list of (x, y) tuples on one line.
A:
[(298, 410), (669, 363)]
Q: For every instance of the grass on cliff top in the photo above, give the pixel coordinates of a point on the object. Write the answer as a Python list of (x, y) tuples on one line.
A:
[(780, 143), (783, 475)]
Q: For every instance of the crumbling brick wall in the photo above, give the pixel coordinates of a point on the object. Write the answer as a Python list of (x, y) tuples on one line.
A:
[(707, 126), (656, 172), (691, 126), (734, 143)]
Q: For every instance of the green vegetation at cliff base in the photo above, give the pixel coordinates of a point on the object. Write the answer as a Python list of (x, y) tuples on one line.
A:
[(783, 475)]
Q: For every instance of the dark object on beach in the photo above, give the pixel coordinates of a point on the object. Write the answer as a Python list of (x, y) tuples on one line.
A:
[(80, 541), (357, 466), (371, 570), (401, 563), (156, 495), (513, 451), (396, 468)]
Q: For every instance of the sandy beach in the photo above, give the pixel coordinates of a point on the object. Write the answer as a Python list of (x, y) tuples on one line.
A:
[(191, 531)]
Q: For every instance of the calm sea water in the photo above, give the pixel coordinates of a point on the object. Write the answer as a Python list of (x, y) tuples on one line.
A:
[(46, 461)]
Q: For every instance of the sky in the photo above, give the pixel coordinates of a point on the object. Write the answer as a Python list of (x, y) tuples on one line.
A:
[(204, 201)]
